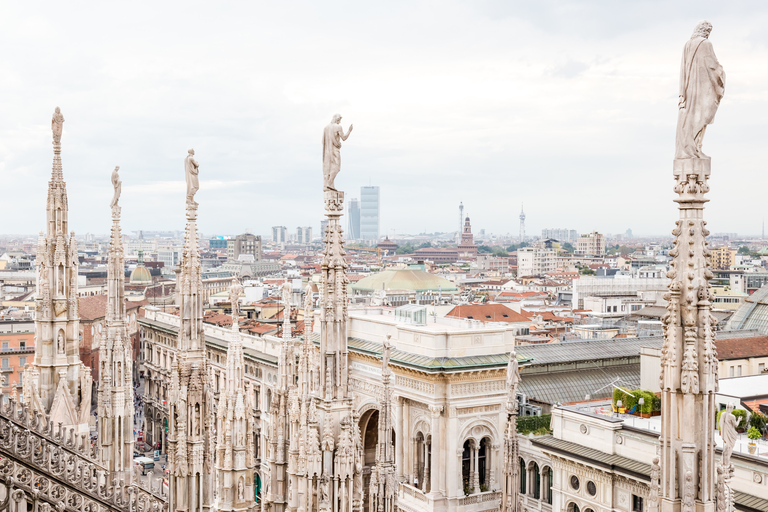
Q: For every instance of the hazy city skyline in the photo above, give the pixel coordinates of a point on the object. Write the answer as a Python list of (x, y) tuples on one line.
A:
[(566, 108)]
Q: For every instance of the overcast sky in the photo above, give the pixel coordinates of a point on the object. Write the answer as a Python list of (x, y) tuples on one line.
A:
[(568, 107)]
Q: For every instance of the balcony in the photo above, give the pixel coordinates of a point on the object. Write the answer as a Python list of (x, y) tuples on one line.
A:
[(17, 350)]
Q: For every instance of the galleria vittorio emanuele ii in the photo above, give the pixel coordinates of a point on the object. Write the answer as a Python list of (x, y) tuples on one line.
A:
[(320, 398)]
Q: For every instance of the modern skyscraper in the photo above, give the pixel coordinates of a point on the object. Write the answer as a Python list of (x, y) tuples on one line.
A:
[(353, 232), (278, 234), (369, 213), (304, 235)]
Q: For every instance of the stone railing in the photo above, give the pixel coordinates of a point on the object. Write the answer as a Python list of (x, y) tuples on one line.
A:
[(55, 468), (483, 497), (407, 490)]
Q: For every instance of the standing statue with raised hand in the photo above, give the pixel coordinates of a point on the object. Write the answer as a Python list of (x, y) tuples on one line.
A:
[(57, 124), (191, 170), (118, 185), (728, 423), (333, 135), (702, 85)]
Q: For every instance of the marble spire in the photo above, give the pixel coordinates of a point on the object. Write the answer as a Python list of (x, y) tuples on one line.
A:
[(510, 463), (58, 384), (383, 482), (688, 377), (234, 460), (190, 437), (314, 456), (115, 394)]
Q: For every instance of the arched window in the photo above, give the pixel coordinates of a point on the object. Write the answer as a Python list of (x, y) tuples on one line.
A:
[(536, 482), (572, 507), (482, 464), (466, 466), (547, 477), (523, 479)]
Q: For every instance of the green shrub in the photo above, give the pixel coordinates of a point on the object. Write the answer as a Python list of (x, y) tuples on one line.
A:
[(618, 394), (656, 403), (753, 434), (651, 401), (539, 425), (648, 399), (758, 420)]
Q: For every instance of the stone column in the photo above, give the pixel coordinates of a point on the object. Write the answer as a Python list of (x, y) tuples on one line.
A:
[(453, 479), (427, 465), (401, 435), (436, 453), (472, 468), (476, 474)]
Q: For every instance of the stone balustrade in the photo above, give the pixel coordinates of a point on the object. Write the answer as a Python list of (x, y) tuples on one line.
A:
[(49, 466)]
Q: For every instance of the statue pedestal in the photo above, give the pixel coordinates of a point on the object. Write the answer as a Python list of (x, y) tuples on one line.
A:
[(687, 166), (334, 202)]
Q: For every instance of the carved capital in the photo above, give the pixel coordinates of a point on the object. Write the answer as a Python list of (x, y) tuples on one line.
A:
[(435, 410)]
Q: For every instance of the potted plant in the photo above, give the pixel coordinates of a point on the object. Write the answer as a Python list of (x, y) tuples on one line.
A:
[(753, 434)]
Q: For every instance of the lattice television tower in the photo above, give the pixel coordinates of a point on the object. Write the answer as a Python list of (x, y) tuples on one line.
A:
[(522, 224), (461, 223)]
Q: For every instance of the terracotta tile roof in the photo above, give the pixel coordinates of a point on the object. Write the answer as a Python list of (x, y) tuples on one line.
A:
[(487, 313), (741, 348), (255, 327), (754, 405), (547, 316), (219, 319), (95, 306)]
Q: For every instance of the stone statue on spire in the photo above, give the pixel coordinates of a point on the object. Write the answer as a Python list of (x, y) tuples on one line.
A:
[(702, 85), (57, 124), (333, 135), (235, 292), (191, 169), (118, 185)]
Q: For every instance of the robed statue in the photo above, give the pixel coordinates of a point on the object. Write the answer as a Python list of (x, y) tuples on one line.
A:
[(57, 123), (702, 85), (728, 423), (333, 134), (118, 185), (235, 292), (191, 170)]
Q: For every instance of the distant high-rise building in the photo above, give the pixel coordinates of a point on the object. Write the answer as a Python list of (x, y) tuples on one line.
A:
[(323, 225), (218, 242), (628, 234), (369, 213), (353, 232), (279, 234), (561, 235), (536, 260), (244, 244), (591, 244), (522, 224), (304, 235)]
